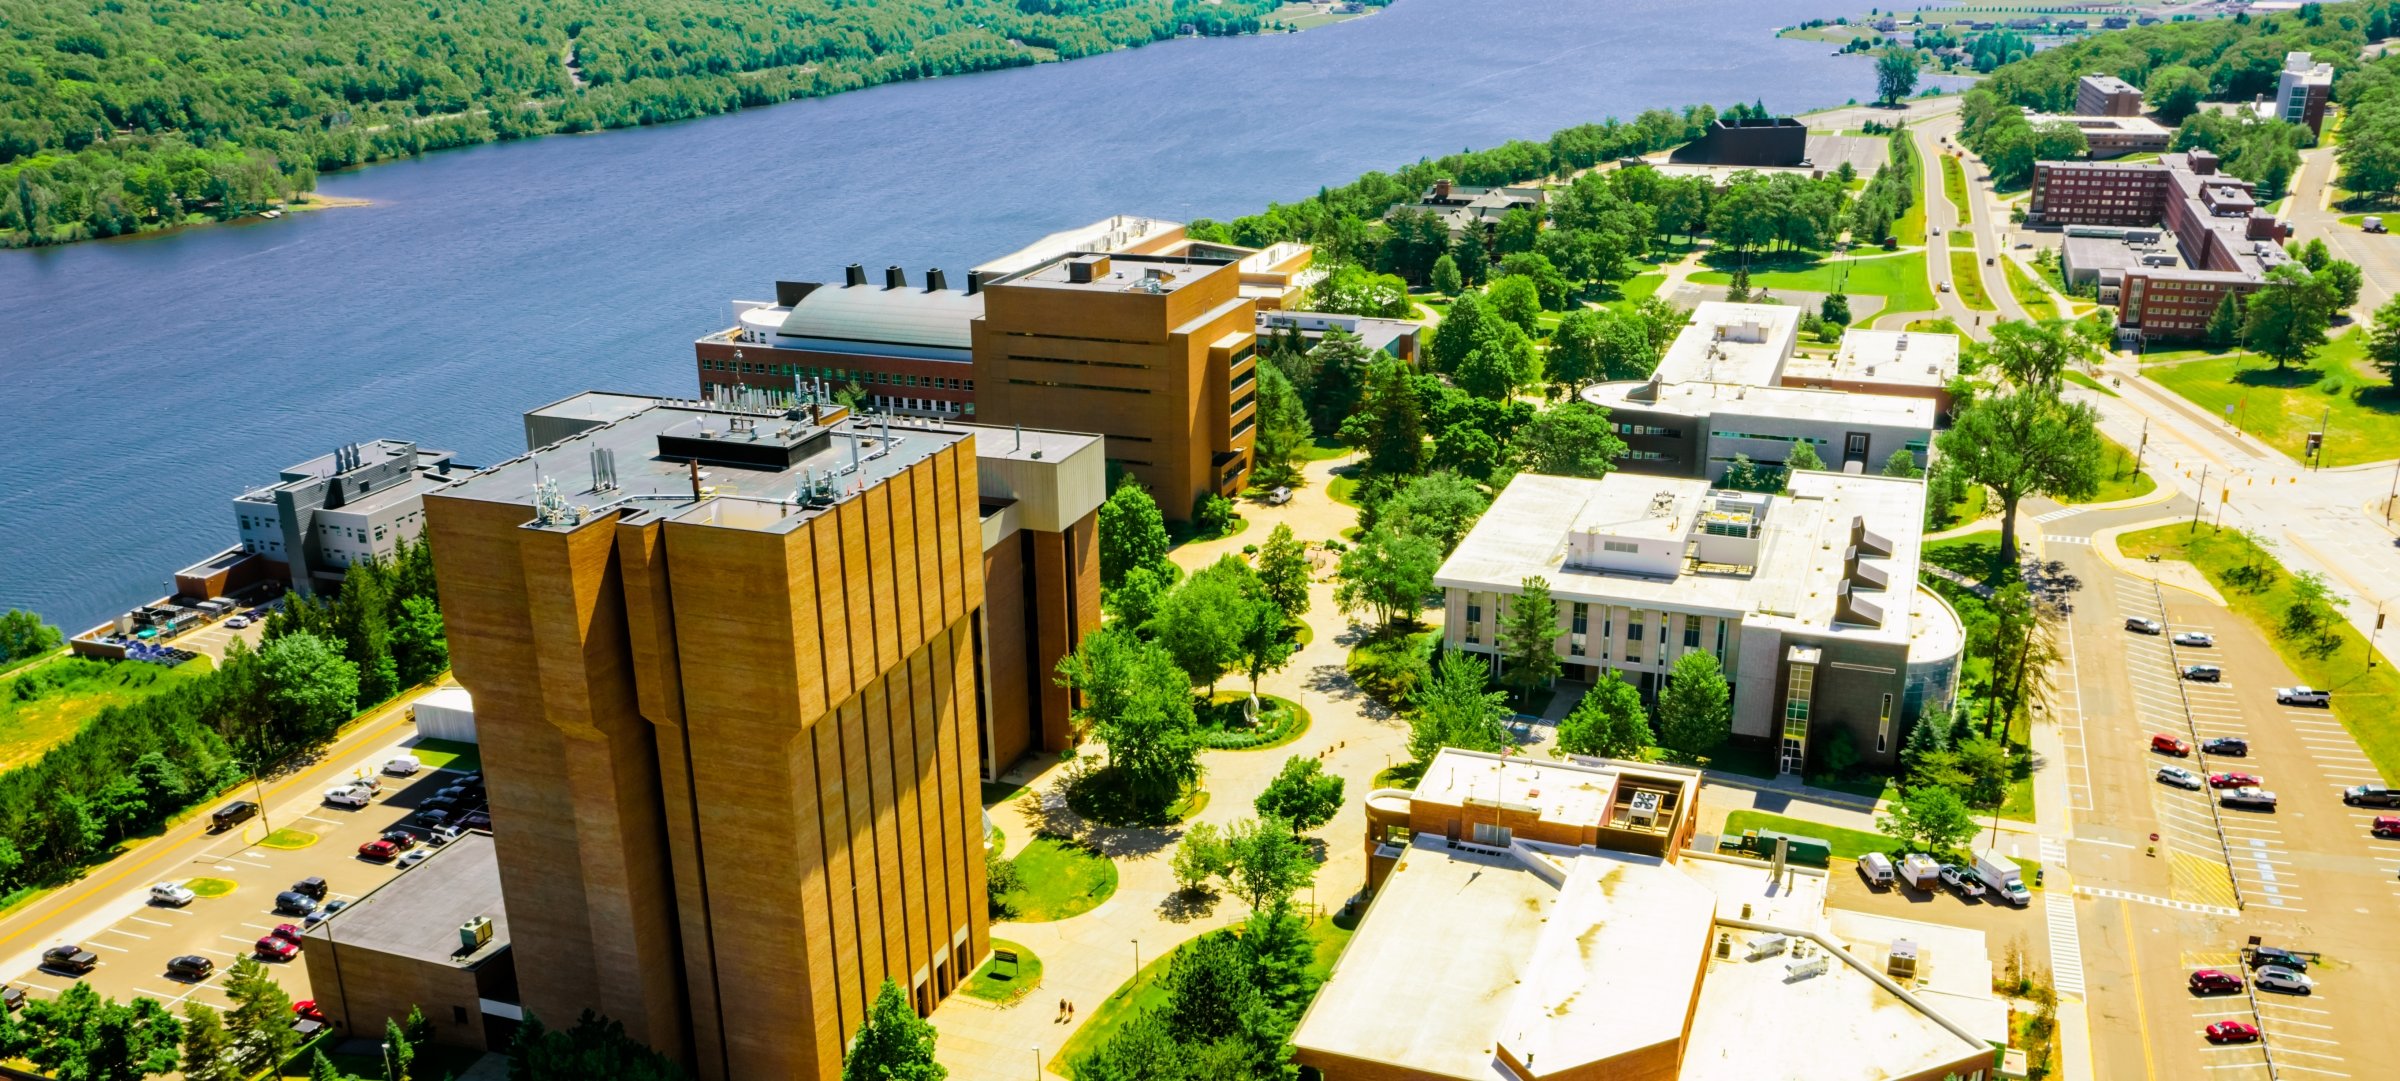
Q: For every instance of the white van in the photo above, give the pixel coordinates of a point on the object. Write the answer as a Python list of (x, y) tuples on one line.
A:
[(1876, 868), (403, 766), (2003, 876)]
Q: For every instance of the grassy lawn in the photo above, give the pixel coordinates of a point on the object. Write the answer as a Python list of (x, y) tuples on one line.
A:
[(208, 887), (1059, 878), (1344, 490), (1968, 280), (1910, 229), (2118, 478), (2088, 383), (1634, 290), (1847, 844), (998, 981), (2282, 406), (1145, 992), (2028, 292), (288, 839), (1954, 186), (47, 704), (1899, 279), (1322, 449), (448, 754), (1967, 509), (2364, 697), (1280, 721)]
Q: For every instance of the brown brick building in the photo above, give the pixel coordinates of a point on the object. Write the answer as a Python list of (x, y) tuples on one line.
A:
[(1152, 351), (736, 672), (2223, 243)]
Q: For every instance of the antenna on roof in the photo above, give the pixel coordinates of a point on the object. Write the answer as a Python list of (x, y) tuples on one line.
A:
[(1020, 426)]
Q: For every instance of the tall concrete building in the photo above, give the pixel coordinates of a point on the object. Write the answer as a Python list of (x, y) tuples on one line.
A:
[(2218, 239), (2107, 95), (2302, 91), (736, 671)]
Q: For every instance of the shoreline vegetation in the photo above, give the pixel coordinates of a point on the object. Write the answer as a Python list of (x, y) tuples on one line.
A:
[(142, 116)]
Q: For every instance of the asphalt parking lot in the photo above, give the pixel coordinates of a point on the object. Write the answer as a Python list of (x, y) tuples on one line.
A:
[(135, 938)]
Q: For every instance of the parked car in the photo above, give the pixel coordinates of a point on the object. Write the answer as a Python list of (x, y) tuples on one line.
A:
[(349, 796), (307, 1010), (403, 766), (2210, 981), (323, 914), (2139, 625), (461, 792), (289, 932), (231, 815), (2234, 780), (2165, 744), (2233, 1032), (171, 894), (378, 849), (2203, 673), (2279, 978), (2385, 826), (2303, 696), (312, 886), (430, 819), (2179, 777), (2263, 956), (476, 820), (2195, 639), (2003, 876), (2232, 746), (438, 803), (12, 998), (294, 903), (2371, 795), (191, 966), (1279, 496), (441, 835), (70, 959), (271, 948), (1876, 868), (2253, 797), (400, 838), (414, 857), (1961, 881), (475, 778)]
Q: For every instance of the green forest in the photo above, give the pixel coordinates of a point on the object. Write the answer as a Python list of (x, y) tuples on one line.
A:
[(131, 115)]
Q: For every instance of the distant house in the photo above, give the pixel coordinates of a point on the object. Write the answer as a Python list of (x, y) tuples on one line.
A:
[(1463, 205)]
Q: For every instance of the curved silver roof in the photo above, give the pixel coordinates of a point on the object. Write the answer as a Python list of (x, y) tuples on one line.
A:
[(905, 316)]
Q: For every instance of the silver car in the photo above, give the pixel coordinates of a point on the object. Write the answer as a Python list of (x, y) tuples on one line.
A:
[(2279, 978), (2249, 797), (2179, 777), (2195, 638)]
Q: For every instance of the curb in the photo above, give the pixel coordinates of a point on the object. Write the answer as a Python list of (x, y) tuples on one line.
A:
[(2105, 542)]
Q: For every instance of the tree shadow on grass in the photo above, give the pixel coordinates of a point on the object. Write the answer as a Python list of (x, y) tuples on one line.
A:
[(2278, 378), (2384, 400), (1184, 906)]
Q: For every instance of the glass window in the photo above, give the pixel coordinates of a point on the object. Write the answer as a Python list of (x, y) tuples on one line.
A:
[(1489, 834), (1691, 632), (1581, 621)]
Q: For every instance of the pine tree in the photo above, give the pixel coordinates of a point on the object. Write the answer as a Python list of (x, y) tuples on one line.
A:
[(1529, 637), (2225, 326)]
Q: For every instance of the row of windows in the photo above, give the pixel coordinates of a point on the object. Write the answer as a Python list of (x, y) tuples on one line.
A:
[(1084, 363), (1648, 429), (1774, 438), (1647, 456), (837, 375), (1579, 628), (923, 405), (1075, 386)]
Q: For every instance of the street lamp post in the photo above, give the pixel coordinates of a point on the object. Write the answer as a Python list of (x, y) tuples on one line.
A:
[(1037, 1063), (1137, 962)]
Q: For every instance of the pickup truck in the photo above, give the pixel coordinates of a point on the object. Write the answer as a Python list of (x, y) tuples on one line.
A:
[(74, 959), (1961, 881), (2371, 795), (2302, 696)]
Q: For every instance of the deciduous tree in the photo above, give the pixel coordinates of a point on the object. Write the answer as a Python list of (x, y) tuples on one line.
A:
[(1453, 709), (1931, 818), (1284, 572), (1266, 863), (1302, 794), (2285, 320), (1608, 722), (1528, 637), (2023, 443), (1132, 532), (1388, 573), (1695, 711), (1570, 439), (893, 1043)]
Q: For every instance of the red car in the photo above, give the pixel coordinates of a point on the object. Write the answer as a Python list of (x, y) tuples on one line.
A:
[(306, 1010), (289, 932), (379, 849), (2234, 780), (272, 948), (2171, 745), (2210, 981), (2385, 826), (2232, 1032)]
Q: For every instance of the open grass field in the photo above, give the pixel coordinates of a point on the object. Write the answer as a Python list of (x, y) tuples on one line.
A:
[(2364, 697), (1060, 878), (1847, 844), (2361, 414), (445, 754), (1967, 278), (2029, 293), (1899, 279), (47, 704), (1954, 187), (1910, 229), (2088, 383)]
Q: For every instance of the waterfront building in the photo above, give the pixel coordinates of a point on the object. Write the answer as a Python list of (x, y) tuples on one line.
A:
[(737, 668), (360, 502), (1536, 920), (1150, 350), (1808, 599)]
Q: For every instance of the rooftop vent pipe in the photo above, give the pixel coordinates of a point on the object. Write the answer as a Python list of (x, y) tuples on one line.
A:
[(936, 281), (974, 282), (854, 275), (894, 277)]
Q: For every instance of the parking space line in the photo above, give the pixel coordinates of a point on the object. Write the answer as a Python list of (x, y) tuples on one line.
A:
[(152, 922), (131, 934), (106, 946)]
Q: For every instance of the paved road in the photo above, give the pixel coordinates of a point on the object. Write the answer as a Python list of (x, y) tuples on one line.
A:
[(108, 912), (2306, 876)]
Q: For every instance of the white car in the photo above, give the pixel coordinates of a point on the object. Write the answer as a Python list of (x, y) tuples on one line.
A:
[(2249, 797), (2179, 777), (2194, 638), (238, 622), (413, 857), (2279, 978), (403, 766), (2303, 696), (172, 894), (349, 796)]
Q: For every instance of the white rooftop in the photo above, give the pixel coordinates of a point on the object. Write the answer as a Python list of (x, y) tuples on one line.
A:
[(1902, 358), (1790, 582), (1704, 399), (1732, 343)]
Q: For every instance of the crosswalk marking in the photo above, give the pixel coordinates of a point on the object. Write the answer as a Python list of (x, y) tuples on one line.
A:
[(2058, 514), (2066, 942), (2147, 899), (2057, 539)]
